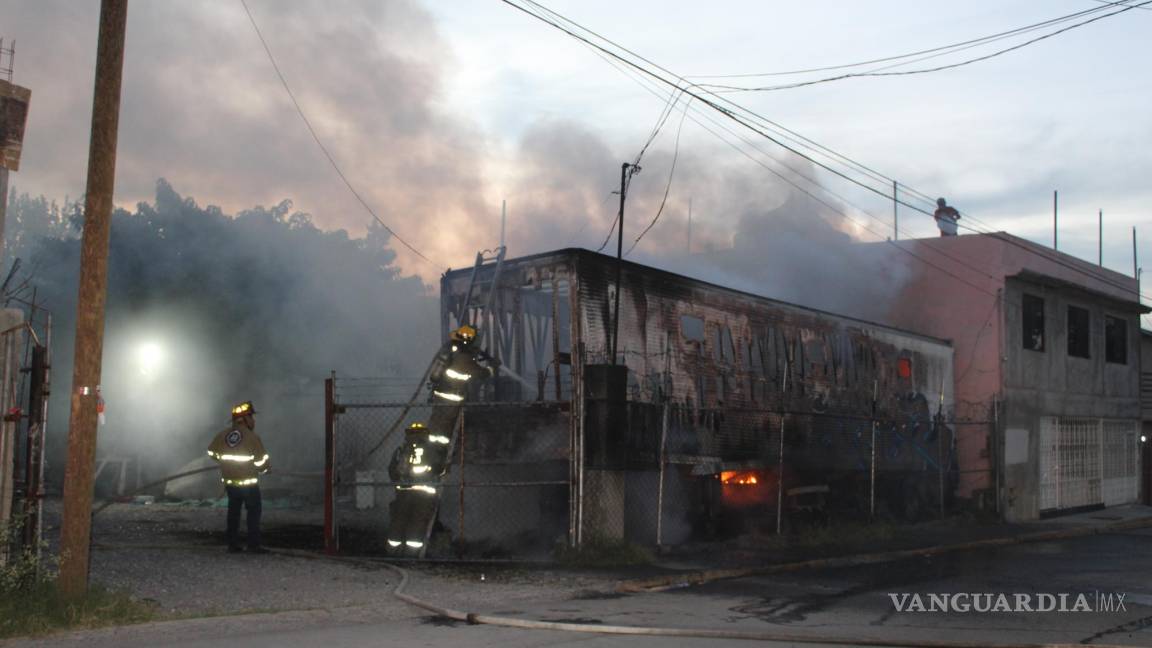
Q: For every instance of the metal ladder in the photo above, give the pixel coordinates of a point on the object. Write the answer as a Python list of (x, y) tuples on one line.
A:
[(484, 303), (471, 298)]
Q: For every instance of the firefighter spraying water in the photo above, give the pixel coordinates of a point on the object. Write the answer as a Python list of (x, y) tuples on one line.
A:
[(421, 460)]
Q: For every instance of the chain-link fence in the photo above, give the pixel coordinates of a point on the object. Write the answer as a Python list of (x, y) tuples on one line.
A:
[(524, 478), (696, 475), (506, 489)]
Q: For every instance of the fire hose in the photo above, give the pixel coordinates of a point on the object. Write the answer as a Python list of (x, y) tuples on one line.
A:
[(188, 473), (472, 618)]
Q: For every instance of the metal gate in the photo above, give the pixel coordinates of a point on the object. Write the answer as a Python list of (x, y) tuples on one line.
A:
[(1088, 462), (505, 493)]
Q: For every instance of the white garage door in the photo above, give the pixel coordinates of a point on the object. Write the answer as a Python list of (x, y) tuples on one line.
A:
[(1088, 461)]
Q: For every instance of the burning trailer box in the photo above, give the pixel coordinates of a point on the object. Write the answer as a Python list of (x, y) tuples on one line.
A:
[(697, 410)]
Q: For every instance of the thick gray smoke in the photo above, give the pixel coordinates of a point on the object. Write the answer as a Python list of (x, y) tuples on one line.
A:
[(212, 305), (751, 231), (203, 107), (206, 310)]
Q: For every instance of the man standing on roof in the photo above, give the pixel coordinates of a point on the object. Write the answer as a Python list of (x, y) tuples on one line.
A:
[(242, 460), (946, 218)]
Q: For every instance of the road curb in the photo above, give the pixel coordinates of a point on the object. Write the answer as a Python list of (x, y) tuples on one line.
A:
[(674, 581)]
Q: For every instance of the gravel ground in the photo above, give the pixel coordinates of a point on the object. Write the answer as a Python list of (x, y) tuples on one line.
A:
[(174, 556)]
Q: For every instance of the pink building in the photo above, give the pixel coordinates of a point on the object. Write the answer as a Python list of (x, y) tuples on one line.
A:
[(1047, 368)]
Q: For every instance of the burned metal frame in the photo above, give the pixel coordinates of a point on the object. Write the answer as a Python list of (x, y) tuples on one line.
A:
[(841, 367)]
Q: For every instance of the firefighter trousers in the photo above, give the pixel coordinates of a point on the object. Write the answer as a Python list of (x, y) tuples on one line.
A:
[(249, 498), (410, 516)]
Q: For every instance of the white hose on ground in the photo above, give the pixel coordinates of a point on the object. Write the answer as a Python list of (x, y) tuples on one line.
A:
[(704, 633)]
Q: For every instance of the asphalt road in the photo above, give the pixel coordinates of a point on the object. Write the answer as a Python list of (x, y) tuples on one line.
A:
[(843, 603)]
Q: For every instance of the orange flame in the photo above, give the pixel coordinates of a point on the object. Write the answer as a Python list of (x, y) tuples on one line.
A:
[(743, 477)]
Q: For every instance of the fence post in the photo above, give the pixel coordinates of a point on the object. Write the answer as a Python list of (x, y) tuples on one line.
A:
[(460, 447), (940, 456), (780, 479), (330, 539), (872, 462), (663, 463), (780, 462)]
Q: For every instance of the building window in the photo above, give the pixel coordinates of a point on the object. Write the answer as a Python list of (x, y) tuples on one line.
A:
[(1115, 340), (1079, 337), (692, 328), (1033, 318)]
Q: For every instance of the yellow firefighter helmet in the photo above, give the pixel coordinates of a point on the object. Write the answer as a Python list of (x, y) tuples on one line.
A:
[(416, 428), (243, 409), (464, 334)]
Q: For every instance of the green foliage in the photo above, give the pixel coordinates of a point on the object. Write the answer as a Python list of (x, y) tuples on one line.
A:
[(38, 609), (30, 603), (604, 552)]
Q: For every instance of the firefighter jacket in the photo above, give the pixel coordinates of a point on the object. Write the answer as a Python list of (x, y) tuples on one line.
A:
[(241, 456), (458, 369), (421, 459)]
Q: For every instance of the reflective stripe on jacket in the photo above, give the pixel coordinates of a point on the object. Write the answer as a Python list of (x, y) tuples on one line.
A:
[(241, 456)]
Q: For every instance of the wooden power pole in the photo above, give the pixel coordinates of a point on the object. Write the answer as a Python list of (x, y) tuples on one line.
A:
[(76, 526)]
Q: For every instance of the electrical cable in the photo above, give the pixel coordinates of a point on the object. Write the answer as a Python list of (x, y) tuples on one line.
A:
[(610, 230), (668, 187), (731, 113), (795, 136), (819, 199), (324, 149), (942, 48), (880, 73), (1122, 4)]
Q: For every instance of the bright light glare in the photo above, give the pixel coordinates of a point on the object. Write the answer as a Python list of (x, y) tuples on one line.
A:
[(149, 358)]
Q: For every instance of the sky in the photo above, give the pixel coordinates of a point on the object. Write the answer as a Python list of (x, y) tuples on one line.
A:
[(437, 112)]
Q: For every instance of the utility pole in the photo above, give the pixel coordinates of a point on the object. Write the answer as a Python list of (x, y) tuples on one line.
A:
[(1135, 260), (624, 173), (1055, 212), (76, 525), (1100, 237), (3, 167)]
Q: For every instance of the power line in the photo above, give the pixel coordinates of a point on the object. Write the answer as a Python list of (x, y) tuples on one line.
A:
[(877, 73), (667, 187), (316, 138), (669, 105), (814, 196), (1122, 4), (730, 113), (610, 230), (944, 48)]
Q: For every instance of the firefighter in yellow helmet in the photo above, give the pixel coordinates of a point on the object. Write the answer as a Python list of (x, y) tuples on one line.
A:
[(457, 363), (242, 458), (460, 366), (416, 468)]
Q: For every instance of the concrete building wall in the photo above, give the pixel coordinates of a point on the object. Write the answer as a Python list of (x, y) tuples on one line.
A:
[(1146, 377), (1052, 383), (967, 289)]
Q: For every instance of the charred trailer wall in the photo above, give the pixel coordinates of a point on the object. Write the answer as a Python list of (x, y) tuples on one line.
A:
[(739, 371), (715, 379)]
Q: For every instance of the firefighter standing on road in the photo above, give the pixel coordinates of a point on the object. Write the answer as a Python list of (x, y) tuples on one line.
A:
[(418, 464), (242, 460)]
